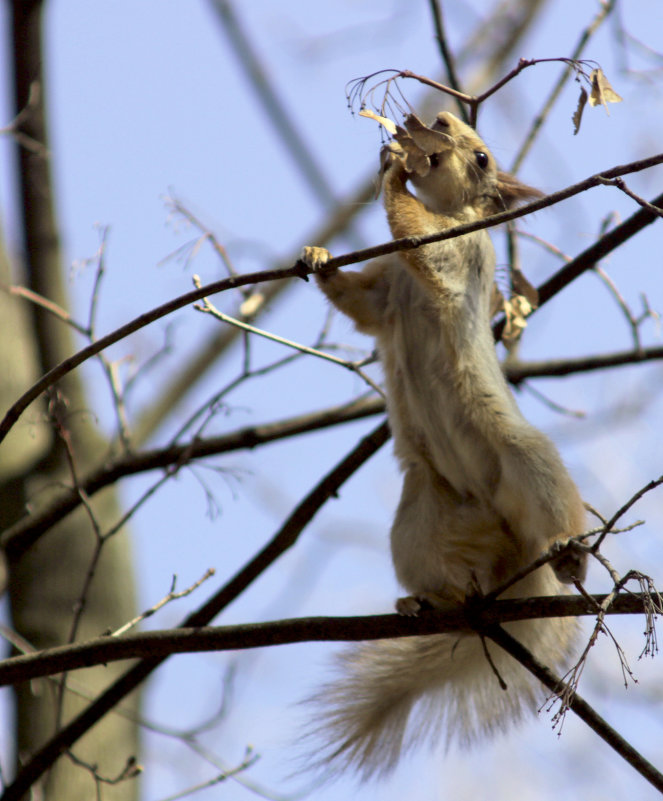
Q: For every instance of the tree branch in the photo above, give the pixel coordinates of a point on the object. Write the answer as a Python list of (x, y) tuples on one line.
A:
[(162, 644), (517, 372), (577, 705)]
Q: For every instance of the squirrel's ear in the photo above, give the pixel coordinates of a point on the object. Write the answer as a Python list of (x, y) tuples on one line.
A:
[(512, 191)]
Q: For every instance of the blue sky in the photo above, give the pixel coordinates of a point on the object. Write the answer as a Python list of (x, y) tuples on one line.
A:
[(147, 101)]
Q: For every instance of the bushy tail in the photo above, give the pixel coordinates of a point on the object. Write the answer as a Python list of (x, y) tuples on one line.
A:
[(394, 694)]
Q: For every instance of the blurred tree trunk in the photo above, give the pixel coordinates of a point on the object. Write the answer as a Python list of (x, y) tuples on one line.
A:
[(46, 584)]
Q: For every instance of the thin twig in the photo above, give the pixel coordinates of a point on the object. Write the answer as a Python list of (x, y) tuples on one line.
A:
[(44, 303), (620, 184), (547, 246), (646, 584), (207, 410), (177, 206), (13, 128), (209, 308), (58, 415), (171, 596), (623, 509), (98, 278), (130, 770), (623, 305), (578, 414), (249, 759), (552, 553), (361, 91)]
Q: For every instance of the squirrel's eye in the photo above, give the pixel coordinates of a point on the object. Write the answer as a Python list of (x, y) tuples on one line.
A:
[(434, 159), (482, 158)]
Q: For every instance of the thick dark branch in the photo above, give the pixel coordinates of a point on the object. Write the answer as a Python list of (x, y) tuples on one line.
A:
[(603, 246), (23, 534), (411, 242), (553, 368), (283, 539), (581, 708), (131, 327), (599, 250), (319, 629)]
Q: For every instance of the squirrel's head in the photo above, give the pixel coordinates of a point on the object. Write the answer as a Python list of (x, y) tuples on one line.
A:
[(463, 173)]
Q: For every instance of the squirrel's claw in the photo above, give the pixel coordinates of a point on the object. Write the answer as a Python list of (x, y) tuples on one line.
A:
[(391, 154), (570, 563), (315, 258), (408, 606)]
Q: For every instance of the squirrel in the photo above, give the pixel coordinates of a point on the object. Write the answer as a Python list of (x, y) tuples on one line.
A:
[(484, 492)]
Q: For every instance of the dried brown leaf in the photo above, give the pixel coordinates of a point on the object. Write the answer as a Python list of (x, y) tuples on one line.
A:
[(415, 158), (425, 138), (602, 92), (521, 286), (577, 114), (496, 301)]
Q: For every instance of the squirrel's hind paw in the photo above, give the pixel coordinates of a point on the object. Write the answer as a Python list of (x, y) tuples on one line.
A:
[(411, 605), (408, 606), (570, 564)]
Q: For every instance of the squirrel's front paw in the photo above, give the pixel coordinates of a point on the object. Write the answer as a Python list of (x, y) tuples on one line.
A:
[(315, 258), (394, 166), (392, 155)]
